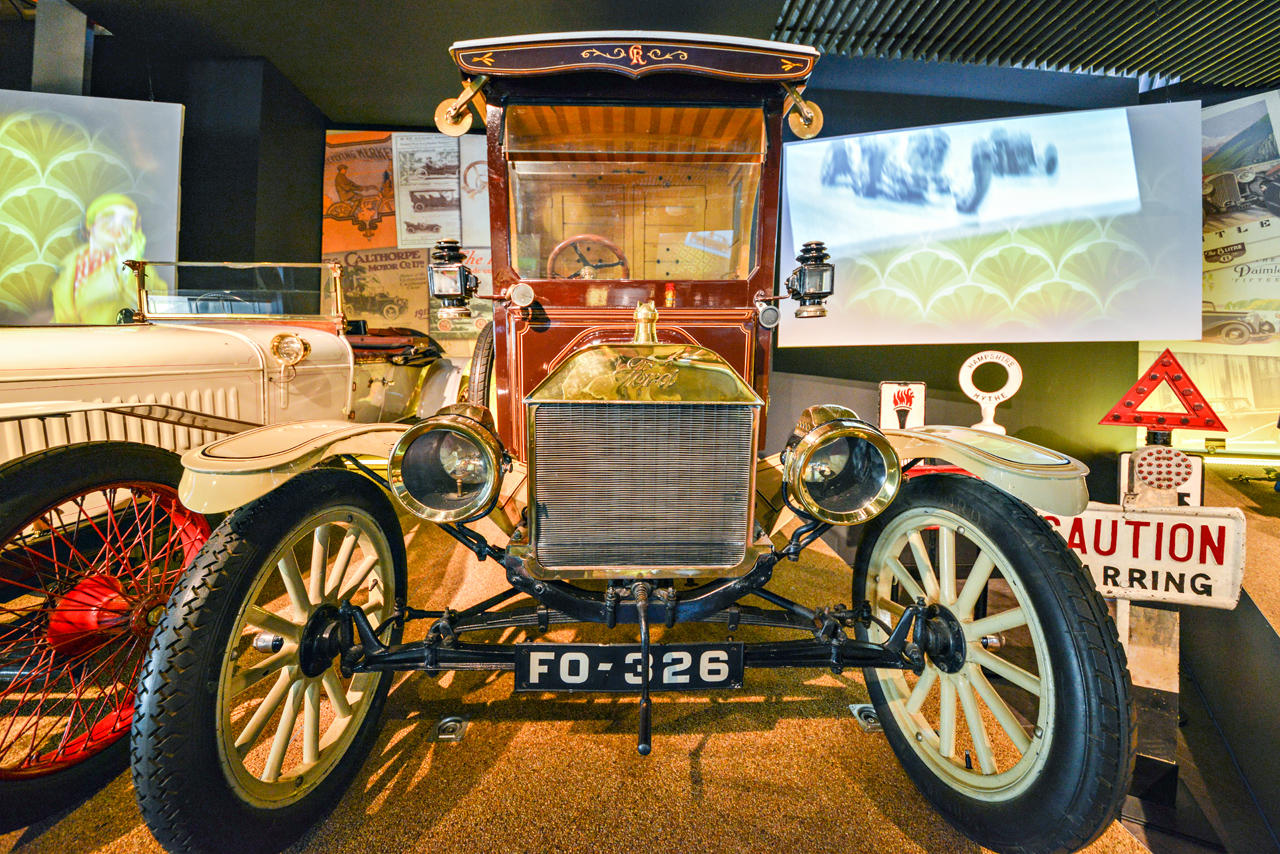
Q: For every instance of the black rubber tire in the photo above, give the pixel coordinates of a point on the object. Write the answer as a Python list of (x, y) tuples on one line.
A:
[(1079, 789), (181, 788), (1235, 333), (27, 486), (481, 367)]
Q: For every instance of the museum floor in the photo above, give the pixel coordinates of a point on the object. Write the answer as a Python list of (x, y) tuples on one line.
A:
[(781, 766)]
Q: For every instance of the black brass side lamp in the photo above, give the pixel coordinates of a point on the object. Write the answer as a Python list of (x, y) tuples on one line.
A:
[(450, 280), (813, 281)]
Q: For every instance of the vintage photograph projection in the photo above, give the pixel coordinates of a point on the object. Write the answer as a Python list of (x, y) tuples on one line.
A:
[(85, 184), (1071, 226)]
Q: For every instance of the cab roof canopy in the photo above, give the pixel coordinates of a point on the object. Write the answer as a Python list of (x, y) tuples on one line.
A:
[(636, 54)]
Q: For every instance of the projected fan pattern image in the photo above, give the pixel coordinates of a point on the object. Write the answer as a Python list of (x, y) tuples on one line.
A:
[(51, 169), (1070, 272)]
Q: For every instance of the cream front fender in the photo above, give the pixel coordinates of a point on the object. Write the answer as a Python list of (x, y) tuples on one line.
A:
[(1044, 478), (232, 472)]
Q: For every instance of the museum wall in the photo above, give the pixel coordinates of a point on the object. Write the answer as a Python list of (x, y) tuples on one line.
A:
[(253, 145), (17, 39)]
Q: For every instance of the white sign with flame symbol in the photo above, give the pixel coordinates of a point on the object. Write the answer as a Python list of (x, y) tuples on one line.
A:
[(901, 405)]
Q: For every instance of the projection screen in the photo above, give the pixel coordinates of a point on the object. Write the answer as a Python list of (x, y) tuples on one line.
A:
[(1077, 226)]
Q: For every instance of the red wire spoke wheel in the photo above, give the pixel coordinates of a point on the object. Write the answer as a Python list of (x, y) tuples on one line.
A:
[(93, 539)]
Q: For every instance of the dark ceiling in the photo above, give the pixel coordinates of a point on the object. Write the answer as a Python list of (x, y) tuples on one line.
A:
[(1220, 42), (384, 62)]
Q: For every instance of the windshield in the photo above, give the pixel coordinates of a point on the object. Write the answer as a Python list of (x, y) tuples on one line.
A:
[(194, 288), (634, 192)]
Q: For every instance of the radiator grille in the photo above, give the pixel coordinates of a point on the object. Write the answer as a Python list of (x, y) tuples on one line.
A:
[(642, 485)]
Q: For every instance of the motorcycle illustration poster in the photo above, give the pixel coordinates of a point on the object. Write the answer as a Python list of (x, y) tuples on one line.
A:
[(359, 204), (427, 191)]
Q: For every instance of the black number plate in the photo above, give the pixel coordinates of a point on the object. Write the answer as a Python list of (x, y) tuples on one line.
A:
[(616, 667)]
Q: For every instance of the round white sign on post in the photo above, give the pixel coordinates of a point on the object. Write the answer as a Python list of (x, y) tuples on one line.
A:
[(989, 400)]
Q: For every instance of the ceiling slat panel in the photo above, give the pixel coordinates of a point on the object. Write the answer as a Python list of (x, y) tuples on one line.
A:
[(922, 13), (1223, 42), (916, 46), (1229, 47), (837, 21), (850, 45), (1023, 43)]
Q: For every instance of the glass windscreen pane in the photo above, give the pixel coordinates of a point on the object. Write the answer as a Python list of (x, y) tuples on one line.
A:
[(634, 192), (248, 290)]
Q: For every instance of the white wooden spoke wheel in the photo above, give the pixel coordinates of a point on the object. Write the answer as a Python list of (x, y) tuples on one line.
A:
[(284, 719), (244, 721), (1019, 725)]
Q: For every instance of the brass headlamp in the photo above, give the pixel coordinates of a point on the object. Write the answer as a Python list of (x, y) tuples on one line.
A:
[(840, 469), (449, 467)]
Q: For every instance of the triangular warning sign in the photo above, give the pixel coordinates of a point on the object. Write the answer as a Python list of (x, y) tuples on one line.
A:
[(1198, 415)]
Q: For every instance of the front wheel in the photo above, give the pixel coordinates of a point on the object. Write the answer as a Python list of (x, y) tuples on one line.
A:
[(244, 722), (1019, 729)]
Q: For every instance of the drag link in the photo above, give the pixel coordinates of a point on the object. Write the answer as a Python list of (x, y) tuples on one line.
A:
[(644, 743)]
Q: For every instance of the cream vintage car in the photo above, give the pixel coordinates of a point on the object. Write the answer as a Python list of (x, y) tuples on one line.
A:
[(92, 534)]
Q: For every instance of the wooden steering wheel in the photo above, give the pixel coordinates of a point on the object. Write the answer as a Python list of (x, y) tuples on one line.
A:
[(587, 268)]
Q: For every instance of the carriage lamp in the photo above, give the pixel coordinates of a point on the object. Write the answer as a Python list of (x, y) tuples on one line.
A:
[(451, 281), (813, 281), (448, 468), (838, 468)]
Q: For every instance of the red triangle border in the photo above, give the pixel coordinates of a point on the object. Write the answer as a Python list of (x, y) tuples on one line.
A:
[(1197, 415)]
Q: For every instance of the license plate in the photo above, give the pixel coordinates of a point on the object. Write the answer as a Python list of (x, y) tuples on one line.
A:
[(616, 667)]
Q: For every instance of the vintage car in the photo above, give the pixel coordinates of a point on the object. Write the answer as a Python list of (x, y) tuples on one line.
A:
[(1257, 185), (92, 535), (612, 434), (1236, 327)]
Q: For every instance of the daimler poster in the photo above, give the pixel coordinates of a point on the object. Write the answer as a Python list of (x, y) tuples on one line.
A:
[(1241, 200), (1236, 362)]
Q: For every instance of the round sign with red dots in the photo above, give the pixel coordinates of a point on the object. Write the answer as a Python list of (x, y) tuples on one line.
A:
[(1161, 467)]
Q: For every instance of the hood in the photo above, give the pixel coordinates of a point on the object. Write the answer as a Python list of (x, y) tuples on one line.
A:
[(644, 373)]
